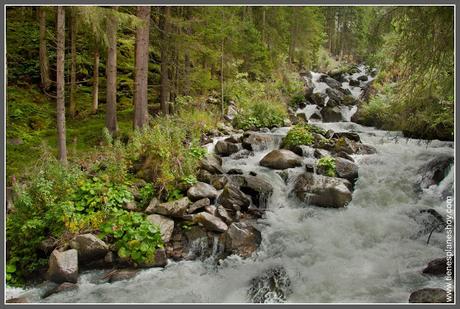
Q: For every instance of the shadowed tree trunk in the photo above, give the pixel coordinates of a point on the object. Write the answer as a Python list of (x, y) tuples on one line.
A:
[(43, 53), (95, 94), (141, 68), (73, 66), (164, 88), (111, 73), (60, 104)]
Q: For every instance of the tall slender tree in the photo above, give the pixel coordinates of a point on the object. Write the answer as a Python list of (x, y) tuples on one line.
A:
[(95, 91), (111, 73), (164, 67), (141, 68), (73, 62), (60, 81), (43, 52)]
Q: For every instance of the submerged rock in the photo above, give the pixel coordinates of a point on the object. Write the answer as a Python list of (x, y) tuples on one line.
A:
[(428, 295), (281, 159), (274, 286), (63, 266), (433, 172), (438, 267), (121, 274), (66, 286)]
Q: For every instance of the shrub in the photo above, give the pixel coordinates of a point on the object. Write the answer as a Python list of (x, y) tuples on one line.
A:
[(135, 238), (327, 164), (298, 135), (264, 114)]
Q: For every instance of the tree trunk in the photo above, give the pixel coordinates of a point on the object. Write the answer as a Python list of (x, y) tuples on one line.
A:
[(43, 53), (73, 66), (95, 94), (164, 88), (60, 103), (111, 73), (141, 62), (222, 65)]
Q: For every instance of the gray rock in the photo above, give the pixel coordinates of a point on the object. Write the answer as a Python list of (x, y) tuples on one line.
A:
[(66, 286), (346, 169), (89, 247), (121, 274), (273, 286), (438, 267), (222, 213), (175, 209), (434, 171), (330, 81), (152, 206), (319, 153), (211, 209), (350, 135), (242, 239), (210, 222), (204, 176), (235, 171), (322, 191), (212, 164), (233, 199), (366, 149), (331, 114), (219, 181), (354, 83), (63, 266), (335, 97), (259, 189), (428, 295), (160, 260), (198, 205), (363, 78), (200, 191), (165, 224), (318, 99), (254, 141), (48, 245), (225, 148), (281, 159)]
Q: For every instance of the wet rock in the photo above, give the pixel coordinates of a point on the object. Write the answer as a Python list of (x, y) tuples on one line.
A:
[(350, 135), (235, 171), (322, 191), (204, 176), (331, 114), (176, 208), (210, 222), (257, 141), (89, 247), (201, 190), (354, 83), (160, 260), (319, 153), (257, 188), (433, 172), (222, 213), (211, 209), (219, 181), (121, 274), (63, 266), (66, 286), (281, 159), (225, 148), (232, 198), (284, 175), (330, 81), (335, 97), (165, 224), (242, 239), (363, 78), (212, 164), (364, 149), (316, 116), (198, 205), (349, 100), (428, 295), (308, 88), (438, 267), (346, 145), (233, 139), (17, 300), (274, 286), (318, 99), (346, 169), (242, 154)]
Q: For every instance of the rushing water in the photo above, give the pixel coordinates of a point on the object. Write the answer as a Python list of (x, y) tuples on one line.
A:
[(369, 252)]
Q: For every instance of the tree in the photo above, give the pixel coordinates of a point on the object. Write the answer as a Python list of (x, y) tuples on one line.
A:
[(164, 66), (111, 73), (95, 91), (43, 53), (73, 65), (141, 68), (60, 81)]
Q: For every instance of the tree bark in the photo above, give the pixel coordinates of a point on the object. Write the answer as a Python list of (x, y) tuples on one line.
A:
[(222, 65), (111, 73), (164, 88), (95, 94), (73, 65), (141, 68), (60, 103), (43, 53)]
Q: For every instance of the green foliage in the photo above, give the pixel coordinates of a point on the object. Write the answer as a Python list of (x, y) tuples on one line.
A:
[(298, 135), (260, 115), (147, 193), (135, 238), (327, 164)]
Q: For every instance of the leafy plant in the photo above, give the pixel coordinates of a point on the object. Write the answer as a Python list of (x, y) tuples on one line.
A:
[(327, 164), (146, 193), (298, 135)]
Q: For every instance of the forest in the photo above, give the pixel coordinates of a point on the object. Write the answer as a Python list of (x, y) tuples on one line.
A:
[(120, 121)]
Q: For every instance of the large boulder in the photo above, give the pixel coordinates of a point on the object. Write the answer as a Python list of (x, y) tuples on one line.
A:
[(165, 224), (89, 247), (331, 114), (350, 135), (254, 141), (330, 81), (335, 97), (318, 98), (232, 198), (428, 295), (201, 190), (434, 171), (346, 169), (63, 266), (224, 148), (199, 205), (259, 189), (363, 78), (281, 159), (212, 164), (210, 222), (160, 259), (322, 191), (176, 208), (438, 267), (354, 83), (242, 239), (273, 286)]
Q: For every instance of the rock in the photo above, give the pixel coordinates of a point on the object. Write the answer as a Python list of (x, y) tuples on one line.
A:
[(316, 116), (256, 187), (349, 100), (160, 260), (242, 239), (331, 114), (318, 99), (122, 274), (198, 205), (319, 153), (110, 258), (66, 286), (48, 245), (225, 148), (257, 141), (219, 181), (242, 154), (346, 169), (152, 206), (366, 149), (131, 206), (176, 208), (428, 295), (346, 145), (201, 190), (274, 286), (342, 154), (204, 176), (322, 191), (165, 224), (9, 199), (63, 266), (233, 199), (330, 81), (354, 83), (434, 171), (231, 112), (284, 175), (438, 267), (212, 164), (17, 300), (335, 97), (363, 78), (350, 135), (281, 159), (211, 209), (222, 213), (89, 247), (308, 87), (345, 91), (233, 139), (301, 118), (210, 222), (235, 171)]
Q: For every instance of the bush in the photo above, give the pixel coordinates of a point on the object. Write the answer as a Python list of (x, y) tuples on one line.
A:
[(264, 114), (298, 135), (327, 164)]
